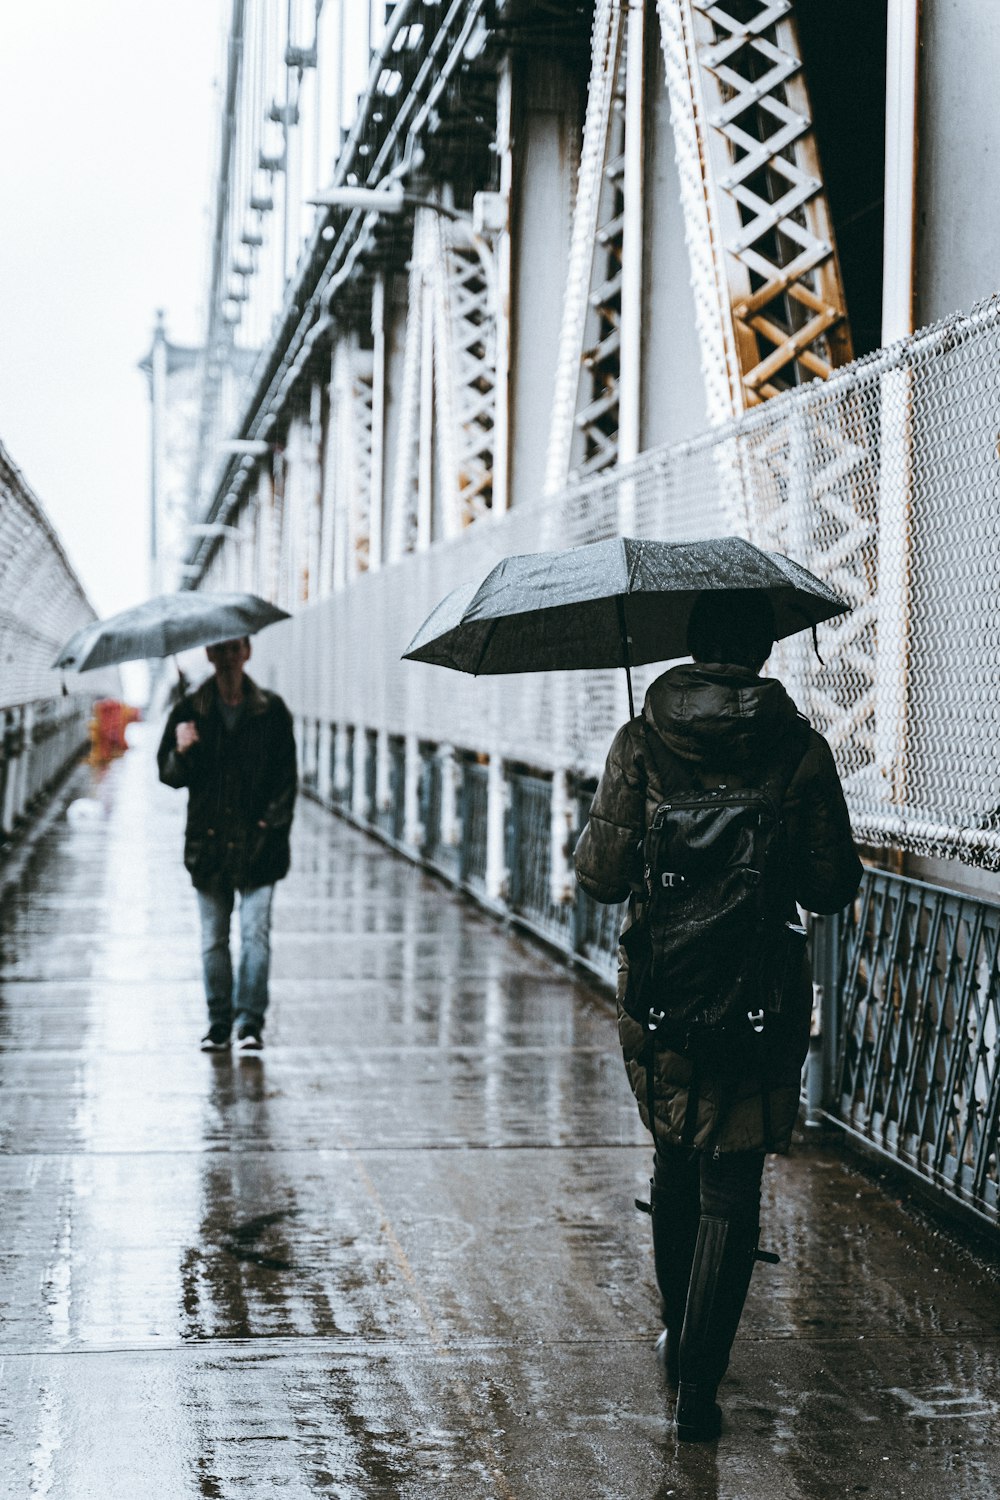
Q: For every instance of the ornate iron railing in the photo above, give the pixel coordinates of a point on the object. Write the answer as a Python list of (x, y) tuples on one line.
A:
[(913, 1020)]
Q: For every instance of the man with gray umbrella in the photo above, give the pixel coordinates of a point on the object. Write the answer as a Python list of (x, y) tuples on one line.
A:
[(232, 745)]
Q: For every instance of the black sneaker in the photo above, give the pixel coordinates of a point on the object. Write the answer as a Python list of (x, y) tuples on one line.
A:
[(216, 1039), (249, 1039)]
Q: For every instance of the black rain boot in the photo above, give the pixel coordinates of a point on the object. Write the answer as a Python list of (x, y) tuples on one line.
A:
[(720, 1279), (675, 1231)]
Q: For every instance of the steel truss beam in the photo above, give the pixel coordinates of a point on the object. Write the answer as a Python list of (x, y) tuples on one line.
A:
[(425, 73), (587, 374), (448, 385), (756, 211), (465, 336), (351, 421), (770, 310)]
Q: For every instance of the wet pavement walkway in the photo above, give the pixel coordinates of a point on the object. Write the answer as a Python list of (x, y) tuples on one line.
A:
[(396, 1256)]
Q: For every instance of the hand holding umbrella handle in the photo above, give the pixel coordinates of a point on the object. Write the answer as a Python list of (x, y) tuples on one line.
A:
[(187, 735)]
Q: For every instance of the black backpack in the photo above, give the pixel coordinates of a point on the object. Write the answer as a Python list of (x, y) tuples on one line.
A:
[(714, 935)]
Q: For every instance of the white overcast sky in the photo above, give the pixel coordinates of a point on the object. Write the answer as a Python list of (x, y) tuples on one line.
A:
[(109, 113)]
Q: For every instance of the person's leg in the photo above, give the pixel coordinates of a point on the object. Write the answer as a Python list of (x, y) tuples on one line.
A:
[(215, 907), (255, 956), (720, 1278), (675, 1203)]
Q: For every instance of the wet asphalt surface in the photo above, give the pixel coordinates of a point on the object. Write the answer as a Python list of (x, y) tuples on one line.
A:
[(396, 1256)]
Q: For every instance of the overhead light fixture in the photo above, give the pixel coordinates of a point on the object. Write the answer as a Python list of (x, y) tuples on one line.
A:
[(489, 209), (387, 200)]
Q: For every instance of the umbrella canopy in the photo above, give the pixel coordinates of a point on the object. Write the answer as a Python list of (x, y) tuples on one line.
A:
[(165, 625), (616, 603)]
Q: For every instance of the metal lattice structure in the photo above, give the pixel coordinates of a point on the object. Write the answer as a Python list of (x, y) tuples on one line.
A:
[(768, 290), (465, 335), (918, 1069), (909, 692), (42, 599), (405, 533), (349, 492), (586, 400)]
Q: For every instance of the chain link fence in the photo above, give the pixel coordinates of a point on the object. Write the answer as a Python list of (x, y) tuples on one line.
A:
[(41, 601), (883, 480), (43, 720)]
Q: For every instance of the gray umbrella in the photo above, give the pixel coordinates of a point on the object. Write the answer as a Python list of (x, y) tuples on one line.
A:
[(165, 625), (616, 603)]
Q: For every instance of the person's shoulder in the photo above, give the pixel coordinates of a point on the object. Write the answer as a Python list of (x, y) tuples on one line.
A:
[(816, 762), (629, 741), (276, 705), (264, 700)]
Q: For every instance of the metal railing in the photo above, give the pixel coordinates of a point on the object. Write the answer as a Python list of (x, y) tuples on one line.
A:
[(908, 1055), (911, 973), (529, 858), (43, 720), (37, 741), (472, 820)]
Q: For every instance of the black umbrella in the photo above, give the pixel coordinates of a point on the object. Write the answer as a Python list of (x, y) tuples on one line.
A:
[(616, 603), (165, 625)]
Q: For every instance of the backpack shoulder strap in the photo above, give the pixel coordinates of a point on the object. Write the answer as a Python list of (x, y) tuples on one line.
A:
[(787, 760)]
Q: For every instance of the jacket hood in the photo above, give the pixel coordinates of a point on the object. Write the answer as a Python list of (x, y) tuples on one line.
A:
[(716, 715)]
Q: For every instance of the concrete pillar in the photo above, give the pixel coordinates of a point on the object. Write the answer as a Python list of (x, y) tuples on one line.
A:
[(324, 778), (561, 880), (547, 109), (450, 831), (496, 840), (10, 768), (383, 781), (359, 799), (413, 831), (23, 771), (341, 779)]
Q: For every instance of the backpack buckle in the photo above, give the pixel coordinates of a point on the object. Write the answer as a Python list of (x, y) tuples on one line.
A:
[(756, 1019), (653, 1019), (669, 879)]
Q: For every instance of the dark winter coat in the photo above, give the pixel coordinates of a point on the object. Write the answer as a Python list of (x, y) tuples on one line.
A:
[(236, 781), (726, 724)]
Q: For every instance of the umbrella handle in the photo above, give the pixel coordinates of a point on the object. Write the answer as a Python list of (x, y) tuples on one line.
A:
[(626, 642)]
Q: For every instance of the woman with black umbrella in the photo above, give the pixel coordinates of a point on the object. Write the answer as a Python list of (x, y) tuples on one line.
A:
[(719, 809)]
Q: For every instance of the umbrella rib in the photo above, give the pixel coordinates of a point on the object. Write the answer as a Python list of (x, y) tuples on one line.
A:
[(487, 639)]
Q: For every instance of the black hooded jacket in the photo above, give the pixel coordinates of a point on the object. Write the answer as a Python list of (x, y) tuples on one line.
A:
[(726, 723), (236, 781)]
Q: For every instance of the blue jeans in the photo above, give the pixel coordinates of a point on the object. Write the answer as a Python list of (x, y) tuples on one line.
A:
[(247, 1002)]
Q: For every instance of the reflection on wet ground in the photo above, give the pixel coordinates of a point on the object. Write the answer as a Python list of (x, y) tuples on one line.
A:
[(396, 1255)]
